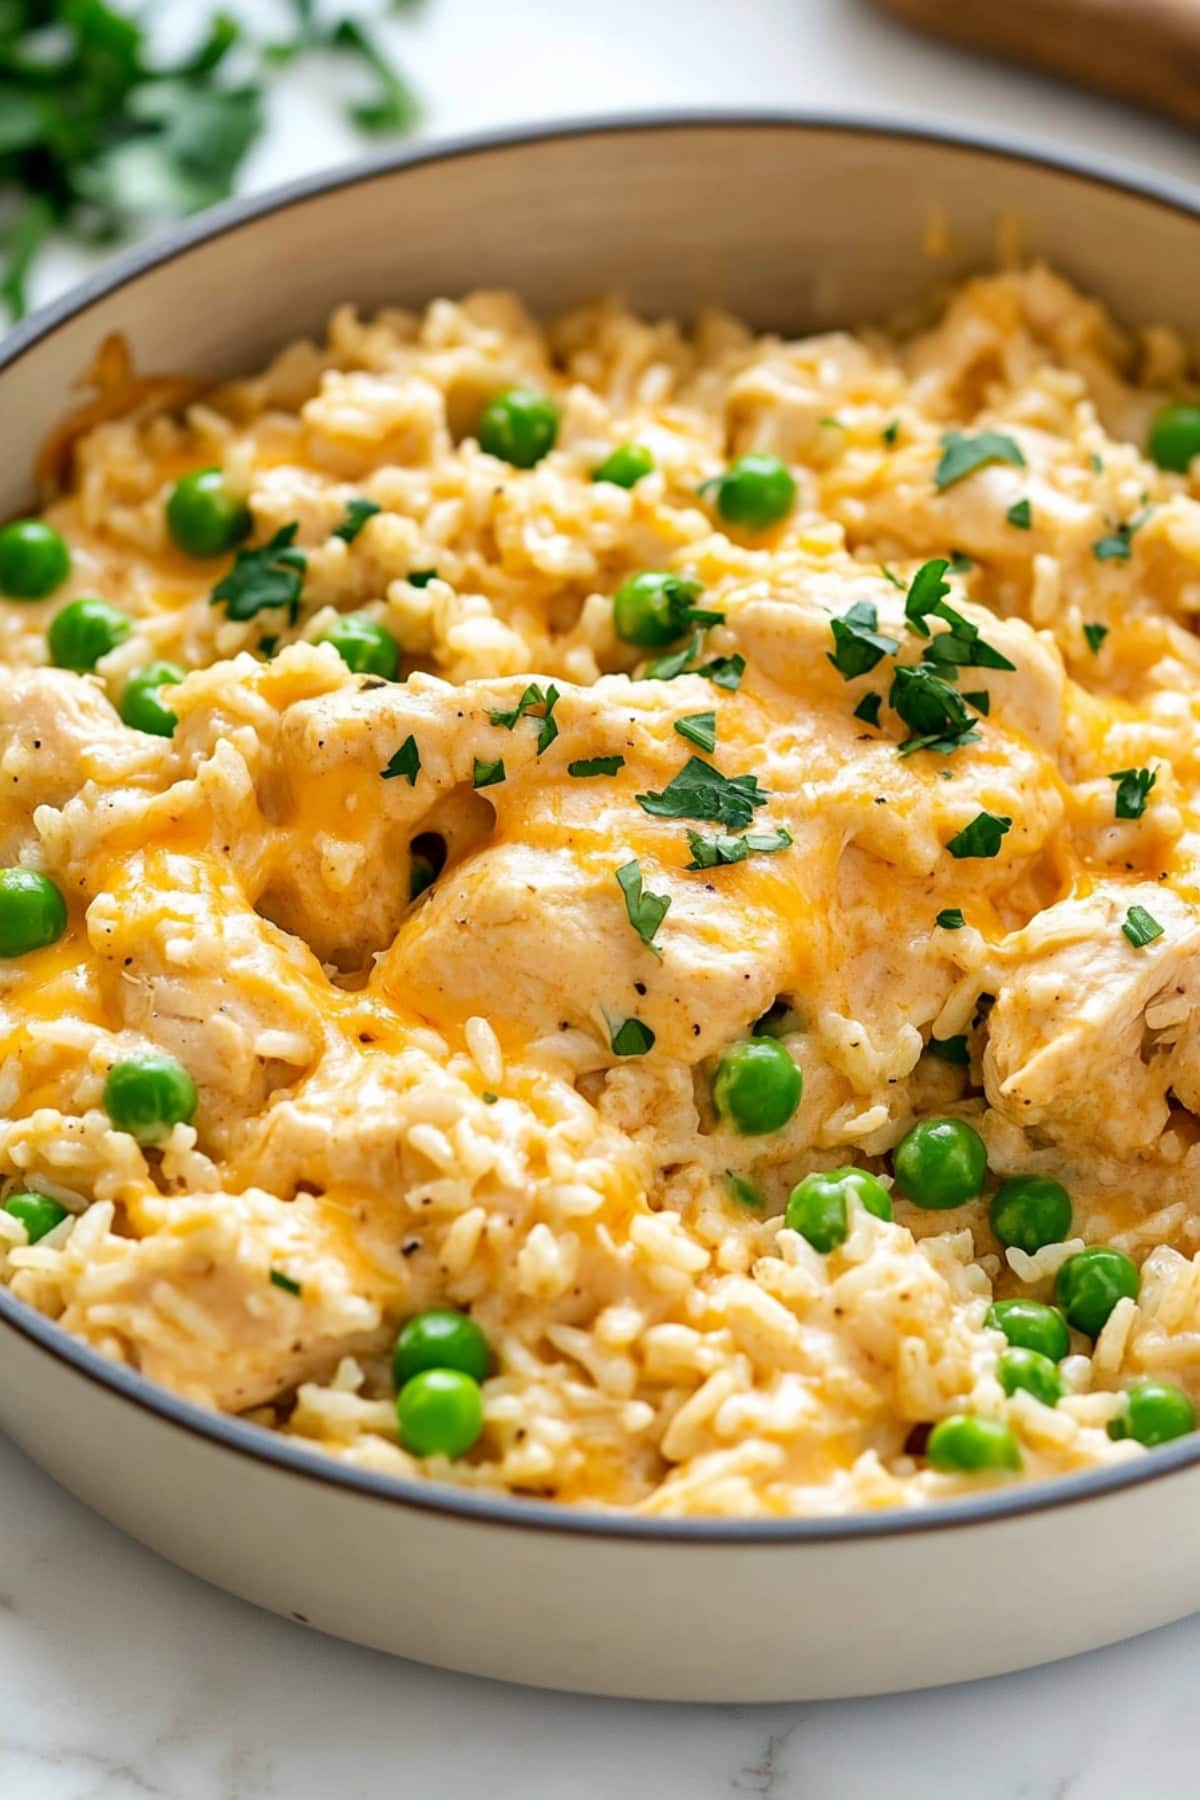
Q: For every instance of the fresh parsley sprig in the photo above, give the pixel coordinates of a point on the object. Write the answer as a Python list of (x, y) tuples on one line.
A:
[(700, 791), (263, 579), (646, 910)]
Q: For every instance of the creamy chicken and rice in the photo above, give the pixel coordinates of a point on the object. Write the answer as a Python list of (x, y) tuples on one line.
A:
[(611, 913)]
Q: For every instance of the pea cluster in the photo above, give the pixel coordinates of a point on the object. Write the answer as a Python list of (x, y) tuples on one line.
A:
[(440, 1359)]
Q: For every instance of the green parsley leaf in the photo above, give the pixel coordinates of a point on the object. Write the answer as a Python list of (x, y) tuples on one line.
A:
[(392, 106), (891, 433), (421, 578), (646, 910), (595, 765), (937, 716), (1117, 546), (487, 774), (868, 708), (925, 594), (962, 455), (744, 1191), (889, 576), (265, 578), (982, 837), (533, 696), (699, 729), (1097, 463), (488, 1098), (980, 699), (830, 420), (700, 791), (406, 762), (710, 853), (1133, 790), (1140, 927), (960, 564), (858, 645), (1020, 514), (675, 662), (632, 1038), (962, 646), (278, 1279), (724, 672), (1095, 635), (950, 919), (357, 514), (951, 1049)]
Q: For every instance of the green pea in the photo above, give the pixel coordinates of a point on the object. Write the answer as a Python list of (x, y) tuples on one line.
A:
[(83, 632), (652, 609), (1152, 1413), (1031, 1325), (33, 912), (37, 1214), (364, 646), (1029, 1369), (1090, 1283), (755, 491), (966, 1444), (1175, 437), (817, 1206), (34, 559), (941, 1163), (148, 1095), (757, 1086), (203, 517), (1030, 1211), (519, 426), (440, 1339), (439, 1413), (625, 465), (142, 706)]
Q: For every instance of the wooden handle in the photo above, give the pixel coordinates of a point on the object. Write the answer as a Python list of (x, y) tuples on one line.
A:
[(1147, 51)]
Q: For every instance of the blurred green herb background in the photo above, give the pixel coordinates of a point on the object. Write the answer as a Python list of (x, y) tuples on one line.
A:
[(101, 140)]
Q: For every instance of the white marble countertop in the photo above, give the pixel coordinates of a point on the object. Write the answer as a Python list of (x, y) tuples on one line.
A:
[(121, 1678)]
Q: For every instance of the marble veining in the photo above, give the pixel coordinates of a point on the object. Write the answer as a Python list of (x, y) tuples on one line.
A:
[(123, 1679)]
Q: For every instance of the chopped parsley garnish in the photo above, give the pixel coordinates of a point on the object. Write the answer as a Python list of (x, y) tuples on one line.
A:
[(420, 578), (890, 433), (264, 578), (724, 672), (962, 455), (699, 729), (533, 696), (1097, 463), (962, 646), (675, 662), (951, 1049), (868, 708), (960, 564), (1117, 546), (858, 645), (980, 699), (888, 575), (406, 762), (487, 774), (278, 1279), (926, 592), (1020, 514), (701, 792), (1133, 790), (982, 837), (1095, 635), (1140, 927), (743, 1190), (595, 765), (937, 715), (488, 1098), (951, 919), (632, 1038), (710, 853), (830, 420), (357, 514), (646, 910)]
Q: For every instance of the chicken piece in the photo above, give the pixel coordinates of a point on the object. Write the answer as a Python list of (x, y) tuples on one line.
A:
[(1089, 1034)]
